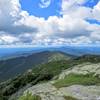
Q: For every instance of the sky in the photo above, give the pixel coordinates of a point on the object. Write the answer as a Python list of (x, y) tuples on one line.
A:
[(49, 22)]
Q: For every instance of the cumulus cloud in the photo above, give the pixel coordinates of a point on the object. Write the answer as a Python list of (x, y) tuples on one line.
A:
[(18, 27), (8, 39), (44, 3), (96, 12), (9, 15)]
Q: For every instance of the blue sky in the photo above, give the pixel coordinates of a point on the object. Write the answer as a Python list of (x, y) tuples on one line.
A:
[(49, 22), (32, 6), (93, 21), (91, 3)]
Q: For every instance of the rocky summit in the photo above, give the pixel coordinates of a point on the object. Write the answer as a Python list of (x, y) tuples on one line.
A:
[(48, 91)]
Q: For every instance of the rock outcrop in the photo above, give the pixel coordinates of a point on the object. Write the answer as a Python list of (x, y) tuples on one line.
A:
[(47, 91)]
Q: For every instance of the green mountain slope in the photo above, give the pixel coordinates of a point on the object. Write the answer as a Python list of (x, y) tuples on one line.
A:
[(12, 67), (43, 73)]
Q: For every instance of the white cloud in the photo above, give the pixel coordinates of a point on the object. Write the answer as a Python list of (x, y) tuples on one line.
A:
[(8, 39), (96, 11), (95, 36), (8, 13), (19, 27), (69, 6), (44, 3)]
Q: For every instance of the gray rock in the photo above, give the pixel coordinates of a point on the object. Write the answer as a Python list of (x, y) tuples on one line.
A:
[(84, 69), (82, 92)]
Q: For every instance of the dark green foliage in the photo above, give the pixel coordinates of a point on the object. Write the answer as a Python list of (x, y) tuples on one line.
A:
[(43, 72), (89, 58), (18, 65), (17, 83), (42, 77), (69, 98), (53, 68), (29, 96)]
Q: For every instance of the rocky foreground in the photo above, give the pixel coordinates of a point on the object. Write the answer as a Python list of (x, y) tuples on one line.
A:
[(48, 91)]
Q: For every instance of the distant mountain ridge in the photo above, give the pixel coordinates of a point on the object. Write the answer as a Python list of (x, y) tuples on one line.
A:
[(16, 65), (80, 50), (6, 53)]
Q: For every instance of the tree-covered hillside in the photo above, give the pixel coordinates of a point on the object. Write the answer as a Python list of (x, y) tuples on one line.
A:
[(12, 67)]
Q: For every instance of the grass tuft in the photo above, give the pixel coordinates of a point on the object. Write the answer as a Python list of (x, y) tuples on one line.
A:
[(73, 79), (29, 96)]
